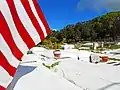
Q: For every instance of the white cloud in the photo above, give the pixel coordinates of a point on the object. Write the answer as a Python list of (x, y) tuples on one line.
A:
[(54, 29), (112, 5)]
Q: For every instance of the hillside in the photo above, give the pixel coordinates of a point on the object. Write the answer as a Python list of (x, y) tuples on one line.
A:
[(102, 28)]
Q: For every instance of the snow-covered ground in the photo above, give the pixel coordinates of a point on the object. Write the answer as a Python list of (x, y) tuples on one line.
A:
[(70, 74), (113, 53), (100, 76), (33, 75)]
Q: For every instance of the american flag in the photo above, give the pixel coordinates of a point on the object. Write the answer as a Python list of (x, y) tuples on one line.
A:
[(22, 26)]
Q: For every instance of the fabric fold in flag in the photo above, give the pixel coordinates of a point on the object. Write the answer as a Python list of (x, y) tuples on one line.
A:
[(22, 26), (2, 88)]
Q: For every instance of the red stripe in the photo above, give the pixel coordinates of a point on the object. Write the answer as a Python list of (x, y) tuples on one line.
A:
[(41, 16), (4, 30), (21, 29), (5, 64), (33, 18), (2, 88)]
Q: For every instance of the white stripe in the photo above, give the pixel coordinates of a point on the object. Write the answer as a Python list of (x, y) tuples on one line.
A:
[(37, 17), (4, 48), (7, 15), (26, 21), (5, 78)]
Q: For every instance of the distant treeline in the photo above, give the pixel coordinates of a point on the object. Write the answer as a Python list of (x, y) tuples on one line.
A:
[(102, 28)]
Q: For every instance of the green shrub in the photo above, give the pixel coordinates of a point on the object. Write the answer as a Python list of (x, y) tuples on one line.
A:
[(30, 52)]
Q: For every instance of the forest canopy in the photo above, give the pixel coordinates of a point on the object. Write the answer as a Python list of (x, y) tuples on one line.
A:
[(102, 28)]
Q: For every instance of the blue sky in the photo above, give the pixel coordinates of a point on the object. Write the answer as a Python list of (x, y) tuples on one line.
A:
[(60, 13)]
